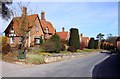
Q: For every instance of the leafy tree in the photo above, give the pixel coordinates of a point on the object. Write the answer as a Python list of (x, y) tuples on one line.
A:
[(91, 43), (74, 38), (95, 44), (5, 12)]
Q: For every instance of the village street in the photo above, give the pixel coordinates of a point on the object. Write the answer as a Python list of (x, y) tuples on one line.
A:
[(78, 67)]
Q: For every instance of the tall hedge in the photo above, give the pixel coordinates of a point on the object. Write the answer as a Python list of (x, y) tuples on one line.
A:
[(91, 43), (95, 44), (74, 38)]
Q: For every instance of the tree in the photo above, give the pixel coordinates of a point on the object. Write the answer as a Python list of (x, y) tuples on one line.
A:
[(5, 12), (91, 43), (74, 38), (100, 38)]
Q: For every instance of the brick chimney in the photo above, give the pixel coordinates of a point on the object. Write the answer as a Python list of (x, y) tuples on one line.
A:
[(24, 11), (63, 29), (42, 15)]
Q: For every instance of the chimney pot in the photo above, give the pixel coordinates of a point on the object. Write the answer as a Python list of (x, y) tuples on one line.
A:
[(63, 29), (42, 15)]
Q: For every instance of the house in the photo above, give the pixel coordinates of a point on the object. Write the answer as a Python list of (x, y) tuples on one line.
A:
[(64, 36), (84, 40), (33, 25)]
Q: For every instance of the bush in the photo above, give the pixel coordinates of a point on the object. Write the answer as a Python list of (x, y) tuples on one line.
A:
[(6, 49), (72, 49), (91, 43), (58, 46), (35, 59), (74, 39), (95, 44), (49, 46)]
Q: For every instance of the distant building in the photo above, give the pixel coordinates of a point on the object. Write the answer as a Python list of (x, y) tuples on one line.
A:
[(64, 36)]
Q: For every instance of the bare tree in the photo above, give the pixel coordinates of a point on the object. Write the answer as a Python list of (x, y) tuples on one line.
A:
[(5, 11)]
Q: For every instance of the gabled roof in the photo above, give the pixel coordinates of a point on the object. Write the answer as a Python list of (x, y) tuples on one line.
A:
[(63, 35), (30, 19), (17, 22), (46, 24)]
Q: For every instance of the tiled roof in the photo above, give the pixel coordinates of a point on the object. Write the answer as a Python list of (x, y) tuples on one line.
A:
[(46, 24), (63, 35), (85, 38), (17, 21)]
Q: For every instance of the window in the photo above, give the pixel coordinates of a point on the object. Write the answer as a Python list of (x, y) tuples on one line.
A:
[(37, 40), (11, 40), (36, 29), (19, 40), (47, 30)]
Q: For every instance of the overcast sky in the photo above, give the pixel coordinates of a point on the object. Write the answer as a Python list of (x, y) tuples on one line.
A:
[(90, 18)]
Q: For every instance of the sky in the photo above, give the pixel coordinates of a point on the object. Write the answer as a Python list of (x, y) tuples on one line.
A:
[(90, 18)]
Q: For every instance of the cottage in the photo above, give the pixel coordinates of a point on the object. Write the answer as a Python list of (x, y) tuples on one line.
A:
[(33, 25)]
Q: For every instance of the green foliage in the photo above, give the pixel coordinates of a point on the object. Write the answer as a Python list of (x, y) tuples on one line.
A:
[(35, 59), (41, 41), (74, 38), (49, 46), (91, 43), (58, 46), (53, 44), (95, 44), (72, 49)]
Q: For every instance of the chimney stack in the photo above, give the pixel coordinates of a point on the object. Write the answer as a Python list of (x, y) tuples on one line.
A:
[(42, 15), (63, 29), (24, 11)]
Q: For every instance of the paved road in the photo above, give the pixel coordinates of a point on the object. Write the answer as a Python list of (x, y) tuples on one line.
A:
[(79, 67)]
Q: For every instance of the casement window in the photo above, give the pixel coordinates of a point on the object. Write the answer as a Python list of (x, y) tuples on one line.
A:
[(11, 40), (36, 28), (19, 40), (37, 40), (47, 30)]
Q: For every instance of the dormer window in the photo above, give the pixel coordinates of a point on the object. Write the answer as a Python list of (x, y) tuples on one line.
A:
[(47, 30), (36, 28)]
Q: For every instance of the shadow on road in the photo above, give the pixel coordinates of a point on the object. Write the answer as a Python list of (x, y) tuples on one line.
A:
[(109, 68)]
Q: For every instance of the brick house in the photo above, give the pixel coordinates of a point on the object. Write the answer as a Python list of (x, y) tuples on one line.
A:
[(84, 40), (64, 36), (37, 28)]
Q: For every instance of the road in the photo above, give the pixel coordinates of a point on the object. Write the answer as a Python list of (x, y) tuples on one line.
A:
[(78, 67)]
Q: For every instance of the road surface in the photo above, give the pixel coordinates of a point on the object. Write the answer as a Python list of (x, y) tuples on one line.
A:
[(78, 67)]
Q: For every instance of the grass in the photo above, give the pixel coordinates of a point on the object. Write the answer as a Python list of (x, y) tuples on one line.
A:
[(35, 59)]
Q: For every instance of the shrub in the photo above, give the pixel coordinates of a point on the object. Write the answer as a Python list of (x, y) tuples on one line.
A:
[(35, 59), (72, 49), (91, 43), (82, 45), (49, 46), (58, 46), (95, 44), (6, 49), (74, 39)]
